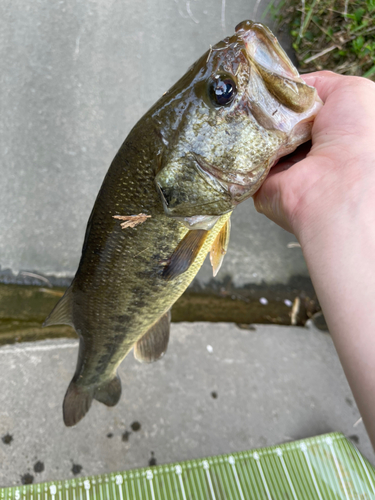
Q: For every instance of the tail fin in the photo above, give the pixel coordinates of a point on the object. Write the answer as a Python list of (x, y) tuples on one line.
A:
[(62, 313), (77, 403), (78, 399), (109, 393)]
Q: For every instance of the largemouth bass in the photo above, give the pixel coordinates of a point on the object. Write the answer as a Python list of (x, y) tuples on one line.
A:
[(204, 147)]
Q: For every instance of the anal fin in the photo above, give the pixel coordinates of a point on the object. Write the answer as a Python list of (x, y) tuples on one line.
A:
[(220, 247), (154, 343), (185, 253), (61, 314), (109, 393)]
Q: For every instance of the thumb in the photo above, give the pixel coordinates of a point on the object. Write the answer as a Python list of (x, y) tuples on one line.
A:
[(268, 200), (273, 196)]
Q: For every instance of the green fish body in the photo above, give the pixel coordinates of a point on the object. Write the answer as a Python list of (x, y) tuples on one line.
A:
[(199, 151)]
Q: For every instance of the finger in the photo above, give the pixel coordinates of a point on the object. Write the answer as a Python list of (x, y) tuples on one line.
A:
[(283, 164), (325, 82), (291, 159), (268, 200)]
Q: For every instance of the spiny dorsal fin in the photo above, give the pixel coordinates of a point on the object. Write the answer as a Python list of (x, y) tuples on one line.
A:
[(220, 247), (295, 95), (185, 253), (62, 312), (154, 343)]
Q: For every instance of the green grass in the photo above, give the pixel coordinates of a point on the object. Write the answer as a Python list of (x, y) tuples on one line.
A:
[(338, 35)]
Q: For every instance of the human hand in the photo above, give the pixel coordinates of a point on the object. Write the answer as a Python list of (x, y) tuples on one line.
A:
[(326, 197), (305, 192)]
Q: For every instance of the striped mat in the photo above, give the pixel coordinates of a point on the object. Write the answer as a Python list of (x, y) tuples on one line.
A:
[(323, 467)]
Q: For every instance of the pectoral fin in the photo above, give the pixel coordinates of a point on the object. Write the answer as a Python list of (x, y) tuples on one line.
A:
[(154, 343), (295, 95), (185, 253), (220, 247)]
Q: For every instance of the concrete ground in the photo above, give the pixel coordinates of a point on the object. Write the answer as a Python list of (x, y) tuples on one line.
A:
[(219, 389), (75, 79)]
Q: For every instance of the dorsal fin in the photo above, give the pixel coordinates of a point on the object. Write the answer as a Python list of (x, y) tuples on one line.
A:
[(154, 343), (62, 313), (220, 247), (185, 253)]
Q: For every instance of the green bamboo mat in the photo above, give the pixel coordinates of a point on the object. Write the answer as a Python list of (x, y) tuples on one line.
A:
[(323, 467)]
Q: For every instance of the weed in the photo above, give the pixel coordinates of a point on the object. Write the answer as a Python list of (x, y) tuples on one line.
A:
[(338, 35)]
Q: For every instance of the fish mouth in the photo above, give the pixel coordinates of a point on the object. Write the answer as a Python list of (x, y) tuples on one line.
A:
[(234, 183), (263, 47)]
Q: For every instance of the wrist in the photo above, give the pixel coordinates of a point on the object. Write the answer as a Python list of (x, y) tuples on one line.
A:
[(339, 251)]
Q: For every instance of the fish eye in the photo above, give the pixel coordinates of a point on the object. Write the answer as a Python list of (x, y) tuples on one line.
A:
[(222, 90)]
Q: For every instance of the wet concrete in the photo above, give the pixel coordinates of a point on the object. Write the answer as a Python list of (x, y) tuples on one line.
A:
[(272, 384)]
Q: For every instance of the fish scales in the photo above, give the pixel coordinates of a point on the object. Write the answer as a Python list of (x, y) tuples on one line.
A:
[(121, 270), (203, 148)]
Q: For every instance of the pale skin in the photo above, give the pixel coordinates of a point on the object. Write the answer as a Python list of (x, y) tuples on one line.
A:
[(327, 199)]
